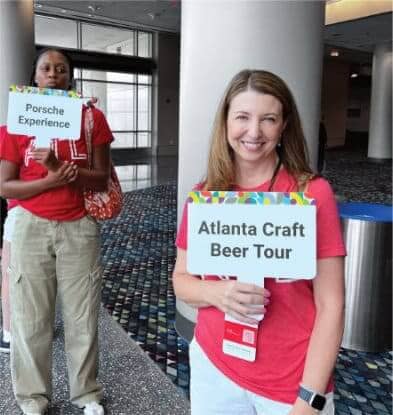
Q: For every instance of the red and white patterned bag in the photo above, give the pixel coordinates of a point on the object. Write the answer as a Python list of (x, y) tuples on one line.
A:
[(107, 204)]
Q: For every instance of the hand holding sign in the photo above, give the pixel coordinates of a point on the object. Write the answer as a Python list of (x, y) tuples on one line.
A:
[(240, 300), (65, 174), (46, 157)]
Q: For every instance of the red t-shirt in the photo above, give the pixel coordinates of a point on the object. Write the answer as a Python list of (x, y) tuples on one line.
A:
[(11, 203), (284, 334), (61, 203)]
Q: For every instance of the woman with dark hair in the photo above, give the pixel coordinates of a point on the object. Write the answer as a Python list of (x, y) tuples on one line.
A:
[(55, 250), (258, 145), (33, 77)]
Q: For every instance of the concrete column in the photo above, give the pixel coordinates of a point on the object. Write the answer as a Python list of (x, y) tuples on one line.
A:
[(17, 47), (165, 97), (220, 38), (380, 132)]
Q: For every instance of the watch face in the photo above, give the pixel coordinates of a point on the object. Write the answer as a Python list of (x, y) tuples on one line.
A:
[(318, 402)]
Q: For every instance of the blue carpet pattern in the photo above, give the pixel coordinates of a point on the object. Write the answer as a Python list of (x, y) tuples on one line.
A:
[(139, 256), (363, 383)]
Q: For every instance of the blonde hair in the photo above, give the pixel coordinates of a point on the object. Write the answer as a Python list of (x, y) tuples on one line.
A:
[(293, 150)]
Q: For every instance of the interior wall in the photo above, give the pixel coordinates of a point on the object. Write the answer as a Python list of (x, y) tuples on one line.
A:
[(335, 99), (359, 100), (168, 64)]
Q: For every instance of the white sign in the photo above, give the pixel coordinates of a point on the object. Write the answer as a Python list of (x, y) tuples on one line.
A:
[(43, 115), (252, 240)]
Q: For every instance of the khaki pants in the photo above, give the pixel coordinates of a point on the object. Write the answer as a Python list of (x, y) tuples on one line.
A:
[(49, 258)]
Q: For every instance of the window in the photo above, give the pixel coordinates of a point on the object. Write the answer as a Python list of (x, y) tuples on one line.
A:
[(145, 45), (67, 33), (125, 100), (56, 32), (108, 39)]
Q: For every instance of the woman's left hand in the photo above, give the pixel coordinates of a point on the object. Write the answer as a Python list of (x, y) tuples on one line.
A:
[(302, 408), (46, 157)]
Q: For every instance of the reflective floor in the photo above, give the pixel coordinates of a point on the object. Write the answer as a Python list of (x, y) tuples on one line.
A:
[(147, 173)]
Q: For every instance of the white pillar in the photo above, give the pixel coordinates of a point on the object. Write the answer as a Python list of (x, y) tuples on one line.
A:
[(220, 38), (17, 47), (380, 131)]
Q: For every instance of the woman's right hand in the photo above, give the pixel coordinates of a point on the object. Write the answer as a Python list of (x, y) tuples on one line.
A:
[(65, 174), (241, 300)]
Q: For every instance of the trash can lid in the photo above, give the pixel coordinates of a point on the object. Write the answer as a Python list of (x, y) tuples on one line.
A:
[(366, 211)]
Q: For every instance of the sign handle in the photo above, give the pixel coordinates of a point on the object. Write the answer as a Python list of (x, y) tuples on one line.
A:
[(42, 142), (240, 339)]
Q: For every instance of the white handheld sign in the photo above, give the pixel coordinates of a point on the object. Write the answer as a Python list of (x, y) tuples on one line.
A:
[(253, 235), (273, 237), (44, 113)]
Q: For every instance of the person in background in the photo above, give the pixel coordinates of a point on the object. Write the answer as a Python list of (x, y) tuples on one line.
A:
[(258, 145), (55, 250)]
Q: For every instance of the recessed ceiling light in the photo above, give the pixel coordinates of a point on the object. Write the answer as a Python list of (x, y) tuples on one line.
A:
[(334, 53), (93, 8), (354, 75)]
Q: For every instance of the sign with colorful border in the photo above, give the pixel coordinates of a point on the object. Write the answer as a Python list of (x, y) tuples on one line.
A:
[(252, 235), (44, 113)]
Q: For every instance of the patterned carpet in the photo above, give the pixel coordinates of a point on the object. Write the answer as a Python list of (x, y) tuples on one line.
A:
[(139, 255), (350, 174)]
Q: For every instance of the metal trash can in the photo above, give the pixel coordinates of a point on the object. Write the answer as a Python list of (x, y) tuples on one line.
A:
[(368, 276)]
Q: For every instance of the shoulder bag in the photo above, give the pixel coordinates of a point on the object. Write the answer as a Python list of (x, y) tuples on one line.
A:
[(107, 204)]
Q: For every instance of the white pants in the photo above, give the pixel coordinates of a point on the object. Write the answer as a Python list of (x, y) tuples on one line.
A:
[(213, 393)]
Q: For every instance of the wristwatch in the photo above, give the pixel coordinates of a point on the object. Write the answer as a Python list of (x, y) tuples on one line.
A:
[(314, 399)]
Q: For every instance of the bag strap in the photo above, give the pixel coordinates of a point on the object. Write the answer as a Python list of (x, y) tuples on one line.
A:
[(89, 125)]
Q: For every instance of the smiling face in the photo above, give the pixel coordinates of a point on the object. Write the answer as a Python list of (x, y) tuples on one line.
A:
[(254, 126), (53, 71)]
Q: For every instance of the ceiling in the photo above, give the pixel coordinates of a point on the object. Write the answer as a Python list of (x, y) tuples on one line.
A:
[(355, 39), (361, 34), (151, 14)]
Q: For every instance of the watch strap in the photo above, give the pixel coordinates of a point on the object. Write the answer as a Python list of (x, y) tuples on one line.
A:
[(314, 399), (305, 394)]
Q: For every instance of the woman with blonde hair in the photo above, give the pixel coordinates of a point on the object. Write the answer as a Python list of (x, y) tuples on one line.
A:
[(258, 145)]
